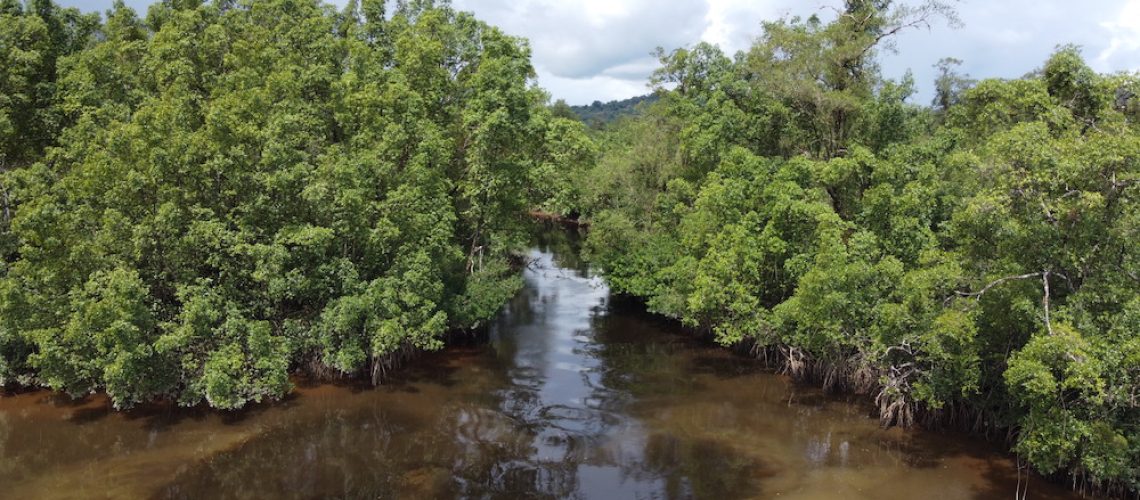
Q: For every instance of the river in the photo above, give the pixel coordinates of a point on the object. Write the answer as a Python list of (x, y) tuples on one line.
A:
[(575, 395)]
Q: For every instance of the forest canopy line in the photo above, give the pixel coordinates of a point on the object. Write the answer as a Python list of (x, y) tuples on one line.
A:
[(975, 260), (199, 202)]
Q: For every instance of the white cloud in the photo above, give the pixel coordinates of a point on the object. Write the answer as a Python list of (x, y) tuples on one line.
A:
[(633, 70), (1125, 38), (734, 24), (584, 39), (599, 49), (725, 23), (595, 88), (1008, 39)]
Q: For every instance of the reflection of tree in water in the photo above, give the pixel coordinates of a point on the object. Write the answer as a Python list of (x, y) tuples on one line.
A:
[(490, 458), (521, 349), (702, 468), (635, 366), (706, 441), (563, 242), (338, 454), (7, 464), (641, 363), (626, 359), (467, 451)]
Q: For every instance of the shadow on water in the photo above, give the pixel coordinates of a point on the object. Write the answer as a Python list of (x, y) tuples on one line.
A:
[(575, 394)]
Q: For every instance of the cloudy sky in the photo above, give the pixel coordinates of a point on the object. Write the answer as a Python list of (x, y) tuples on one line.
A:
[(599, 49)]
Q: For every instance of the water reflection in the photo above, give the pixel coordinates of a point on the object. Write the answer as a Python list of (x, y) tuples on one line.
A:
[(576, 395)]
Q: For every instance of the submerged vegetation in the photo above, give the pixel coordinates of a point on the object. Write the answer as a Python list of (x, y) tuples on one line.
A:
[(199, 202)]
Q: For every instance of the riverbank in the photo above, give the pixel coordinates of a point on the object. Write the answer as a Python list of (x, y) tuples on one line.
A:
[(574, 394), (864, 387), (574, 222)]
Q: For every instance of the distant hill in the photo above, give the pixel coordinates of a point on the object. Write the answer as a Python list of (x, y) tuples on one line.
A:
[(600, 113)]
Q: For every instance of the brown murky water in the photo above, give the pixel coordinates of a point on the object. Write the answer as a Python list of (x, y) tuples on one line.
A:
[(575, 396)]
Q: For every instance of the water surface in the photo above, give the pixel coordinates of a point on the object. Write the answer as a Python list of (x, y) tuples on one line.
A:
[(575, 396)]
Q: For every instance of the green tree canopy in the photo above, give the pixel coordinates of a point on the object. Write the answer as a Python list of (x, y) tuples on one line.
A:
[(973, 261), (244, 189)]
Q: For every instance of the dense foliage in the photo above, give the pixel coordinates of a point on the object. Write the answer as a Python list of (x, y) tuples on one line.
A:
[(599, 114), (200, 202), (972, 261)]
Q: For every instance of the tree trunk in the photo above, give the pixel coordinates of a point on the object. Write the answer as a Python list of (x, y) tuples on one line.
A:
[(5, 197)]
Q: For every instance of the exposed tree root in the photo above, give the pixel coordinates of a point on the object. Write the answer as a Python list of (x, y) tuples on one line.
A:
[(896, 408)]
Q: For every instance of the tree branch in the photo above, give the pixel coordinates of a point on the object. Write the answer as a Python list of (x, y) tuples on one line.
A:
[(1045, 302), (978, 295), (7, 198), (1044, 275)]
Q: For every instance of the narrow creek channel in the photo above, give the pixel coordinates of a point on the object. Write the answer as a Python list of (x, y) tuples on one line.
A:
[(575, 395)]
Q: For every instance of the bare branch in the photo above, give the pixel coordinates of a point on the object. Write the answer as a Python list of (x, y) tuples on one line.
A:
[(908, 17), (1044, 275), (978, 295), (1068, 281), (904, 348), (1045, 301), (7, 201)]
